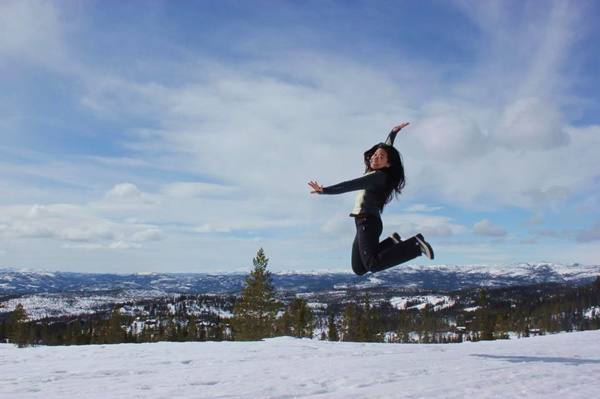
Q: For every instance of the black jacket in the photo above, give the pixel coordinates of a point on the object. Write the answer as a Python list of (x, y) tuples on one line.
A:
[(373, 186)]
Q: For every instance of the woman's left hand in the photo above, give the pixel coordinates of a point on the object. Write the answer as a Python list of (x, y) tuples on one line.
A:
[(400, 127), (316, 187)]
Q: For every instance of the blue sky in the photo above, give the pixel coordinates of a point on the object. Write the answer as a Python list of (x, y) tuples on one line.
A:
[(179, 136)]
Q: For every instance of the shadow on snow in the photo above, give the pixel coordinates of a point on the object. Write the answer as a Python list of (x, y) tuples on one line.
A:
[(544, 359)]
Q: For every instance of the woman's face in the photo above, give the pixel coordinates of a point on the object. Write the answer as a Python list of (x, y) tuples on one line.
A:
[(379, 159)]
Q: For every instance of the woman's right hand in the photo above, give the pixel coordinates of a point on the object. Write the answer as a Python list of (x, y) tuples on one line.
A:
[(316, 187)]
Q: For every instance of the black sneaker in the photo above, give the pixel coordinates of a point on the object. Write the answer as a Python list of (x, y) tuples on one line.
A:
[(424, 245)]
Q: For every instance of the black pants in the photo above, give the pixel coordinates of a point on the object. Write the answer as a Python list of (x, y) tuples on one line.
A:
[(370, 255)]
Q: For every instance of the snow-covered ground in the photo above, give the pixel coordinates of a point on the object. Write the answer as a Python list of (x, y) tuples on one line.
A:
[(554, 366)]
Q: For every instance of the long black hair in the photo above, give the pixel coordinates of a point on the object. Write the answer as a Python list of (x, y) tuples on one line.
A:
[(395, 172)]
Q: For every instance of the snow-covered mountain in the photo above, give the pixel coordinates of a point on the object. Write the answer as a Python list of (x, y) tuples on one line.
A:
[(438, 277)]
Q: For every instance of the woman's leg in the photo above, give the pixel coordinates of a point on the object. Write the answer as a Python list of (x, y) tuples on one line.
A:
[(357, 264), (388, 242), (368, 230), (397, 254), (368, 254)]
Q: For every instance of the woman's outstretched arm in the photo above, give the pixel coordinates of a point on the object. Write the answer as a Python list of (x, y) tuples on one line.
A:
[(392, 136), (368, 181)]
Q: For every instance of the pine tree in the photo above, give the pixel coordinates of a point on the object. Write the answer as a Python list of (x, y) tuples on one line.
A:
[(596, 290), (349, 323), (500, 327), (367, 322), (484, 317), (73, 334), (254, 312), (284, 324), (332, 332), (359, 322), (218, 332), (114, 332), (403, 328), (426, 333), (192, 328), (298, 319), (17, 331), (362, 324)]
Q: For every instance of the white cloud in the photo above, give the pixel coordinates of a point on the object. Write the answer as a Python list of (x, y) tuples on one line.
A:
[(208, 228), (538, 180), (409, 224), (417, 208), (554, 233), (194, 189), (449, 133), (549, 195), (590, 234), (124, 245), (582, 252), (31, 30), (37, 211), (335, 225), (72, 224), (531, 123), (486, 228), (127, 195), (124, 191), (116, 245), (535, 220), (147, 234)]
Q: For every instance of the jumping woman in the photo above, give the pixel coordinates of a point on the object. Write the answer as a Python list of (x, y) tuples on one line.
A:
[(383, 179)]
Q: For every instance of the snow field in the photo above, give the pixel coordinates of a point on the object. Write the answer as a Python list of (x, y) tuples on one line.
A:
[(554, 366)]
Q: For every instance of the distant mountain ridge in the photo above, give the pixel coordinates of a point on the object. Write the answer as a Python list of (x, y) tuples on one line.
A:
[(437, 277)]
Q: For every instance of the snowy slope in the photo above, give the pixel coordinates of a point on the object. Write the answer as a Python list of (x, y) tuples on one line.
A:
[(555, 366)]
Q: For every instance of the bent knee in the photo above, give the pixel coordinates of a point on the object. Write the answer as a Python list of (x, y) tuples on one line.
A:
[(359, 269), (372, 263)]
